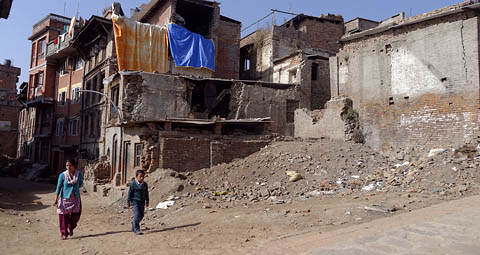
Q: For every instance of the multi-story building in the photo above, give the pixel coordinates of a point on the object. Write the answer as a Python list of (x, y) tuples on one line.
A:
[(65, 139), (96, 45), (9, 108), (37, 118)]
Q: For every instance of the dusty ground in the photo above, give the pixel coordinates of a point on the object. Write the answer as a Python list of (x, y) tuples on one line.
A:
[(241, 205)]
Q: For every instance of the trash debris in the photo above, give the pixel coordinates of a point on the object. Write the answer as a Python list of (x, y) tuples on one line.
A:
[(294, 176), (221, 193), (435, 152), (165, 205), (370, 187), (400, 165), (376, 208)]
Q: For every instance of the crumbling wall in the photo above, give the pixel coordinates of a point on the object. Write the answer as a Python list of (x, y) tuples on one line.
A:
[(329, 122), (154, 97), (416, 85), (259, 101)]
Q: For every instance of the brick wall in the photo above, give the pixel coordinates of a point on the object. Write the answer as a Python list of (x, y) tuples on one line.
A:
[(428, 121), (228, 150), (194, 153), (228, 51), (184, 154), (416, 85), (265, 46)]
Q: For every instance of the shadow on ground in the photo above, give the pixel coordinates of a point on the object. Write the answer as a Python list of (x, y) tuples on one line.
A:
[(173, 228), (20, 195)]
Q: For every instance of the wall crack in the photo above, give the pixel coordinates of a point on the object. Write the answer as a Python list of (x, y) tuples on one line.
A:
[(464, 56)]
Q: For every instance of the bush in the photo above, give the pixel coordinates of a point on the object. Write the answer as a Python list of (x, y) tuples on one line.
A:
[(350, 115)]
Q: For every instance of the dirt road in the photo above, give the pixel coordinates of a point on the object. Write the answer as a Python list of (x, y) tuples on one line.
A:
[(29, 225), (448, 228)]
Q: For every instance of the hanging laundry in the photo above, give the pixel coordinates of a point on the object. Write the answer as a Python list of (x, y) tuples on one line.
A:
[(140, 46), (72, 26), (190, 49)]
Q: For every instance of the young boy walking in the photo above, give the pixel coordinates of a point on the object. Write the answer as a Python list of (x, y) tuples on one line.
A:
[(138, 198)]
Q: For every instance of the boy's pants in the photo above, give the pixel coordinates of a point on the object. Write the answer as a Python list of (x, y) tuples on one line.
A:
[(138, 213)]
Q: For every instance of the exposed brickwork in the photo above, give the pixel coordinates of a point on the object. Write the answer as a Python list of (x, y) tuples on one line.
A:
[(228, 51), (194, 153), (184, 154), (424, 122), (226, 151), (414, 86)]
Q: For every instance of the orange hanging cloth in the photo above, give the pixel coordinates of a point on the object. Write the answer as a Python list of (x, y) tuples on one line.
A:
[(140, 46)]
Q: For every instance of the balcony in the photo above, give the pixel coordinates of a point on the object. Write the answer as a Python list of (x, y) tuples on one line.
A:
[(37, 98), (60, 47)]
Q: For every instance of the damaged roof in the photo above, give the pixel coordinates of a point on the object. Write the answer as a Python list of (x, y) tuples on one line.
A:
[(147, 9), (301, 17), (449, 10), (5, 6), (86, 34)]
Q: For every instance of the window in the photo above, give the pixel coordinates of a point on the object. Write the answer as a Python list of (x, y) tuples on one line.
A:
[(292, 76), (78, 63), (42, 47), (92, 123), (32, 61), (62, 98), (85, 124), (138, 153), (93, 81), (60, 127), (87, 96), (314, 71), (292, 105), (73, 127), (114, 95), (76, 95), (98, 124), (246, 65), (64, 67), (40, 80)]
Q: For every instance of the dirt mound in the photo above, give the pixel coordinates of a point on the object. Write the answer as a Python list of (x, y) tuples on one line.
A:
[(285, 170)]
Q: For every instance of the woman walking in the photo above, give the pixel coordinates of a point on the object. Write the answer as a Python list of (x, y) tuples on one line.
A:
[(69, 205)]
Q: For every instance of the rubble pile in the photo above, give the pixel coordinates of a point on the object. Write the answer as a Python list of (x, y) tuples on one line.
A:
[(12, 167), (285, 170)]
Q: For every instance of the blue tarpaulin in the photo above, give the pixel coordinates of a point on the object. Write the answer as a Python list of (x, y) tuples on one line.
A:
[(190, 49)]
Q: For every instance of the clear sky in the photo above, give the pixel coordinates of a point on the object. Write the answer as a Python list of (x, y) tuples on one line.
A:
[(18, 27)]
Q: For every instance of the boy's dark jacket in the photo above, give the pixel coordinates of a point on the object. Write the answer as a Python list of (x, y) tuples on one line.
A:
[(138, 193)]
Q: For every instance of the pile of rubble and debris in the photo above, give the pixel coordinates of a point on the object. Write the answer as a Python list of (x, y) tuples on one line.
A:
[(12, 167), (286, 170)]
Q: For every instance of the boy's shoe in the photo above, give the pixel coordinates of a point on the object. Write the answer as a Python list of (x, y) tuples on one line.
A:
[(64, 237), (70, 233), (138, 233)]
